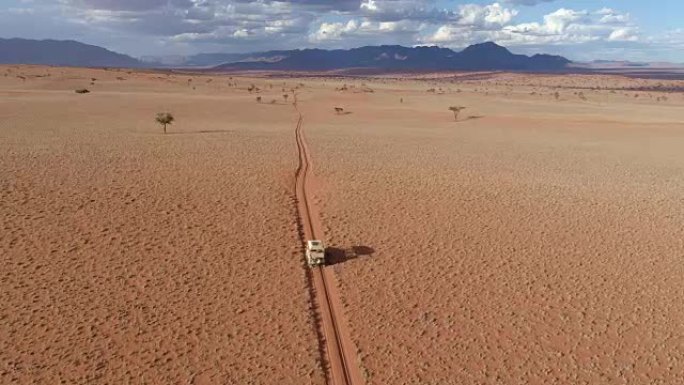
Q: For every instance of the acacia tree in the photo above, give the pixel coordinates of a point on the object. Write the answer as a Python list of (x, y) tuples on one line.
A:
[(456, 110), (164, 118)]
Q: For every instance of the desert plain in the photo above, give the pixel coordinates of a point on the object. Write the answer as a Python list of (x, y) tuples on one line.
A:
[(539, 239)]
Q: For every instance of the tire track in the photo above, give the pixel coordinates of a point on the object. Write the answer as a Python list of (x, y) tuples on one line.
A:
[(339, 348)]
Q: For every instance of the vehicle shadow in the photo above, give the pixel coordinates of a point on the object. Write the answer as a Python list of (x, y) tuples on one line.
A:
[(473, 117), (336, 255)]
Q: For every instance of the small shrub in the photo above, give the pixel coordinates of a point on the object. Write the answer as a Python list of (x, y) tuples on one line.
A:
[(164, 118), (82, 91), (456, 110)]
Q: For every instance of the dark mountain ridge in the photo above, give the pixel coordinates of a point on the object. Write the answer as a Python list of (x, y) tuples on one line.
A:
[(61, 53), (485, 56)]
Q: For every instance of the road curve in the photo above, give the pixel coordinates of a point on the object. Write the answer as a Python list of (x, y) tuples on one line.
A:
[(339, 347)]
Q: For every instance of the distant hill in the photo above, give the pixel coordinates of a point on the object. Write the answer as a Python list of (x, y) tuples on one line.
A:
[(485, 56), (61, 53)]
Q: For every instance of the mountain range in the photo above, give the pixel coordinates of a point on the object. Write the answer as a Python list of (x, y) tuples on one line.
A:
[(61, 53), (485, 56)]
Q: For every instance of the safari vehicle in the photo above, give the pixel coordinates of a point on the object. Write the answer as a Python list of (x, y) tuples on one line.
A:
[(315, 253)]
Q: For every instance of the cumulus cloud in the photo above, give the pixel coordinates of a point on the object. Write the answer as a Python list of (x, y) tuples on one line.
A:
[(358, 28), (563, 26), (485, 17), (203, 21)]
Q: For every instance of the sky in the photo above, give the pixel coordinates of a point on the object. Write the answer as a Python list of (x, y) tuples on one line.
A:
[(582, 30)]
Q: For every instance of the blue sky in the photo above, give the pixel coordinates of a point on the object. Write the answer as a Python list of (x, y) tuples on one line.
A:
[(637, 30)]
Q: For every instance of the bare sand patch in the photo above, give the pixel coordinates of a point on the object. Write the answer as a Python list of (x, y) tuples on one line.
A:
[(129, 256), (539, 243)]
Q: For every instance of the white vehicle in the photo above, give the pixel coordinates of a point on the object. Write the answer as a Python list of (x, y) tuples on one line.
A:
[(315, 253)]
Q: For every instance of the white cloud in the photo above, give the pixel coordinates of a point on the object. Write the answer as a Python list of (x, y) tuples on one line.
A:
[(561, 27), (334, 31), (623, 34), (485, 17), (370, 6), (362, 29)]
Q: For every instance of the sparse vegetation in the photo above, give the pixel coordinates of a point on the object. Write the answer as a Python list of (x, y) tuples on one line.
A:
[(456, 110), (258, 99), (164, 119), (339, 110)]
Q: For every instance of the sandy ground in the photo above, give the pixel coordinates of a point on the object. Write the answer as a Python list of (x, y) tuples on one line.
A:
[(539, 240), (130, 257), (534, 242)]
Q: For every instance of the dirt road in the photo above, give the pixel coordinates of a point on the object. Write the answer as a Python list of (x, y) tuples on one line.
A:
[(339, 348)]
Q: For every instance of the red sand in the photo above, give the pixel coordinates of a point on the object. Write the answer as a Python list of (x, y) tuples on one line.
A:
[(538, 240)]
